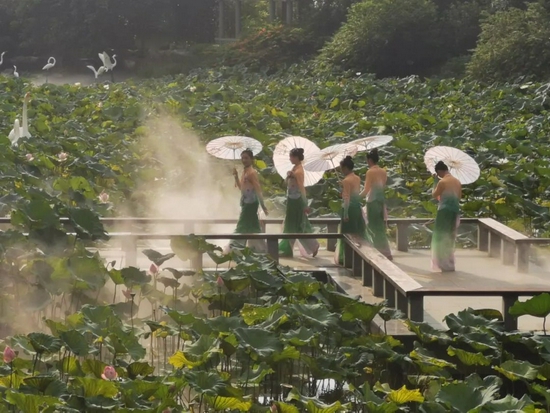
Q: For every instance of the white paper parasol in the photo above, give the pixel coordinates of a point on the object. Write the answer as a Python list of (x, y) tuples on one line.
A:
[(329, 158), (282, 161), (231, 147), (371, 142), (461, 165)]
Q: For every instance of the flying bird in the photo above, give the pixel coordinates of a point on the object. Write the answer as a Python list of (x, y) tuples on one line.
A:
[(98, 72)]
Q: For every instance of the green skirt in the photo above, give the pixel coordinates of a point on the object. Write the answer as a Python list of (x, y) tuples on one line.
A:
[(296, 222), (376, 223), (248, 223), (355, 225), (443, 240)]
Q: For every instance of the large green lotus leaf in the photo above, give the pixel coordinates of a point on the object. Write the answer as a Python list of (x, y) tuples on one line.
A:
[(235, 281), (510, 404), (404, 395), (428, 364), (468, 358), (254, 314), (462, 397), (76, 342), (275, 320), (143, 390), (301, 337), (92, 387), (44, 343), (86, 223), (264, 281), (93, 367), (426, 333), (256, 374), (70, 365), (203, 348), (480, 341), (219, 403), (116, 276), (317, 314), (157, 257), (537, 306), (302, 284), (180, 361), (168, 282), (88, 270), (134, 276), (30, 403), (205, 382), (100, 403), (225, 324), (465, 321), (517, 370), (46, 385), (179, 317), (286, 408), (314, 405), (259, 341), (127, 343), (361, 311), (13, 381), (37, 213)]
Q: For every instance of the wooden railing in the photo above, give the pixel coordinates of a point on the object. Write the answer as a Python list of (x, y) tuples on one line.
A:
[(496, 239)]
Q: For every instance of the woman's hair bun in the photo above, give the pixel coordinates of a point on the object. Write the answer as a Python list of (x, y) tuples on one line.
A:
[(348, 158)]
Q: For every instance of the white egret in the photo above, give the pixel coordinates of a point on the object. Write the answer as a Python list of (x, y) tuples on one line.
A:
[(15, 73), (51, 63), (21, 131), (2, 58), (109, 65), (98, 72), (15, 133)]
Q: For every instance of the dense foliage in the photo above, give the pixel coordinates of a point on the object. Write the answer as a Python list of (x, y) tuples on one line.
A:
[(389, 38), (513, 43), (258, 337)]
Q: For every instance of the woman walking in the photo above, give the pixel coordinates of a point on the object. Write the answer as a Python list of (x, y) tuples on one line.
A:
[(375, 185), (251, 199), (297, 209), (352, 217), (448, 192)]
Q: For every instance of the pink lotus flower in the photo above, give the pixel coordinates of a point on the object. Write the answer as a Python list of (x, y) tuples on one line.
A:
[(273, 408), (103, 197), (62, 156), (154, 269), (29, 157), (9, 355), (127, 294), (109, 373), (219, 281)]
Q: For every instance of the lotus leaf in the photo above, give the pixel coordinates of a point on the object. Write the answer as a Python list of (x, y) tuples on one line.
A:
[(517, 370)]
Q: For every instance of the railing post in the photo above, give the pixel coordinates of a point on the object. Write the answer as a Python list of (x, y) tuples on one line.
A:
[(348, 254), (389, 293), (129, 246), (357, 265), (402, 236), (510, 322), (508, 252), (482, 238), (494, 245), (196, 262), (273, 248), (416, 307), (523, 257), (377, 284), (402, 303), (331, 243), (367, 274)]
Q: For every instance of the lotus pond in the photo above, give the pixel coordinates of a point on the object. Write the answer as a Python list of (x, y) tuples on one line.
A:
[(255, 337)]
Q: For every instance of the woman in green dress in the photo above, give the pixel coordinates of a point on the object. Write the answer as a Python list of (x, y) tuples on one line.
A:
[(448, 192), (251, 199), (377, 215), (296, 221), (352, 216)]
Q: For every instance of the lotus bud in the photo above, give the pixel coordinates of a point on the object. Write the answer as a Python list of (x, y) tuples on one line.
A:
[(29, 157), (154, 269), (219, 281), (109, 373), (127, 294), (9, 355), (62, 156), (273, 408), (192, 89), (103, 197)]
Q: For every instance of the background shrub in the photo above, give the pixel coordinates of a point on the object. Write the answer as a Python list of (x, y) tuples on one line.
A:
[(385, 37), (513, 43)]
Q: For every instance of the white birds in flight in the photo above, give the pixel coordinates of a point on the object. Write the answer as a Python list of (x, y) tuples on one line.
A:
[(108, 65), (22, 131)]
